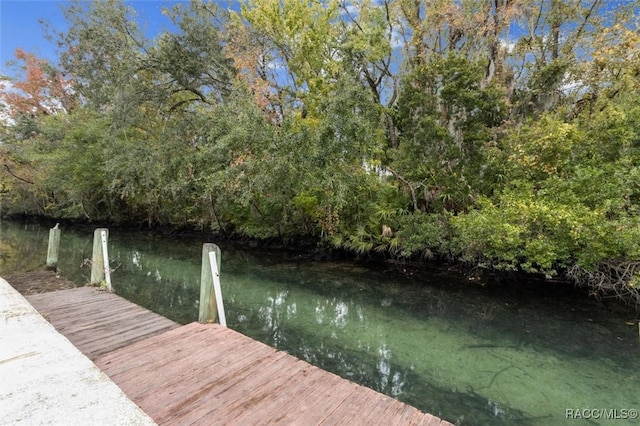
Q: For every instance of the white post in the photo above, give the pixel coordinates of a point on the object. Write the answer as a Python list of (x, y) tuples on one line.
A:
[(217, 288), (209, 296), (105, 259)]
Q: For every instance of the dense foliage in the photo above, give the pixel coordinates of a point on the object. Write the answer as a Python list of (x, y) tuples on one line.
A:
[(502, 133)]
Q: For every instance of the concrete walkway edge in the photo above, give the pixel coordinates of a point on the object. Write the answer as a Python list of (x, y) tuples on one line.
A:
[(44, 379)]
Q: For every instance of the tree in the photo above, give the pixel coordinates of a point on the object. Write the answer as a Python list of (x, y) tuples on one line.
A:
[(102, 50), (557, 42), (446, 118), (502, 132), (190, 64), (295, 42), (44, 90)]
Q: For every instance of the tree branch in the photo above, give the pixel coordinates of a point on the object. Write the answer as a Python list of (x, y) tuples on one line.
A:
[(16, 176)]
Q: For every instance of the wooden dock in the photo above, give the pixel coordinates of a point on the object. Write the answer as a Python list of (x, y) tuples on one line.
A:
[(98, 322), (208, 374)]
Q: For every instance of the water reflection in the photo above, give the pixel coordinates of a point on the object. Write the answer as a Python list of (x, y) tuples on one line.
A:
[(508, 352)]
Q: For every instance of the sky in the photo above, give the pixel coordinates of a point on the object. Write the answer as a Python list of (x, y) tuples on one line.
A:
[(20, 26)]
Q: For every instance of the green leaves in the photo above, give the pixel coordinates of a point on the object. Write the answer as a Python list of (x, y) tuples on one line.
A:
[(524, 231), (570, 198), (446, 118), (191, 62), (413, 128), (300, 38), (103, 49)]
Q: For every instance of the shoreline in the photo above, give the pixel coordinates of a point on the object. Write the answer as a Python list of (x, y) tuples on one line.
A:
[(306, 250)]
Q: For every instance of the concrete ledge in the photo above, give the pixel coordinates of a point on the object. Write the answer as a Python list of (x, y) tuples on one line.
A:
[(44, 379)]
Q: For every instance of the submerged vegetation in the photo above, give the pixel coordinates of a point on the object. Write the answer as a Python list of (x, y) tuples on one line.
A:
[(504, 133)]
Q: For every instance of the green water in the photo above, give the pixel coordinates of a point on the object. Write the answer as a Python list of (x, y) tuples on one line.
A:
[(505, 353)]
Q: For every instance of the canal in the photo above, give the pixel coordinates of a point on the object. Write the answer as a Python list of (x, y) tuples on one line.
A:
[(508, 351)]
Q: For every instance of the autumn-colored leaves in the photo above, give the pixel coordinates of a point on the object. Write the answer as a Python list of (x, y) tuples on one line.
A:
[(42, 91)]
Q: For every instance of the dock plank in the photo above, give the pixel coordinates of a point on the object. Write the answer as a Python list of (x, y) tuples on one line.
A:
[(283, 400), (350, 410), (271, 408), (205, 374), (248, 385), (98, 322)]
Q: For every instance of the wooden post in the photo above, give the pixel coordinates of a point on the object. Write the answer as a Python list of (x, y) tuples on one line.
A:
[(100, 271), (54, 246), (210, 297)]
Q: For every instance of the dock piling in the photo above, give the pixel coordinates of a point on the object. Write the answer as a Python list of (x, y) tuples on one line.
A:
[(210, 291), (54, 247), (100, 270)]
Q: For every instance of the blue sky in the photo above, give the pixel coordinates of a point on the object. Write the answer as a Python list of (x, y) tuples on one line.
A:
[(20, 27)]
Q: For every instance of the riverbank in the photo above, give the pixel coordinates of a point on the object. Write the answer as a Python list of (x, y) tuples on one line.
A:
[(305, 249), (38, 281)]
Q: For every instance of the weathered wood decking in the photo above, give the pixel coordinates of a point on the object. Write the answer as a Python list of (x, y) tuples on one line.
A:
[(207, 374), (97, 322)]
